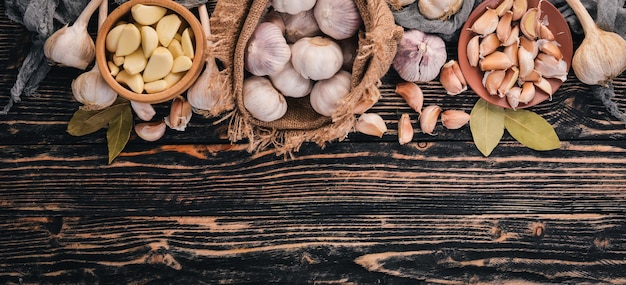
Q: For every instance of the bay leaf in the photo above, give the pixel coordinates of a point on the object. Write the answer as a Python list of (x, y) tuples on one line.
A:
[(85, 122), (487, 126), (531, 130), (118, 132)]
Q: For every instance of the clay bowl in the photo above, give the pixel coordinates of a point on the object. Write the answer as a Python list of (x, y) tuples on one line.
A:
[(122, 13), (474, 75)]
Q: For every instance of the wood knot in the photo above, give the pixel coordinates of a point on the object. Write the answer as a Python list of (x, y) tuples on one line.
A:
[(538, 230)]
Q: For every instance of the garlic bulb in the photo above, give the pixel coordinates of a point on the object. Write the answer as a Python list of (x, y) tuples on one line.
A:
[(339, 19), (439, 9), (316, 58), (262, 100), (74, 38), (290, 83), (267, 51), (326, 95), (420, 56), (293, 7), (90, 89), (300, 25)]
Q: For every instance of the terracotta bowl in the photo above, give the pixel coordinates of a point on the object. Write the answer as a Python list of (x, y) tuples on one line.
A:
[(122, 13), (474, 75)]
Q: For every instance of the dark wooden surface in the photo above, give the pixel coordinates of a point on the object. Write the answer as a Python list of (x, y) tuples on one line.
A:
[(193, 208)]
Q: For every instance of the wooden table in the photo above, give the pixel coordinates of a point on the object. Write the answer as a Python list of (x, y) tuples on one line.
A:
[(194, 208)]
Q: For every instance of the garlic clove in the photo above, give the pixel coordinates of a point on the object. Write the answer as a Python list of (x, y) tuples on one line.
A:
[(496, 61), (339, 19), (371, 124), (159, 64), (473, 51), (551, 48), (510, 79), (327, 95), (527, 93), (486, 23), (452, 78), (513, 38), (135, 62), (454, 119), (175, 48), (316, 58), (133, 81), (512, 52), (526, 62), (545, 86), (545, 33), (144, 111), (405, 129), (550, 67), (114, 69), (519, 9), (365, 104), (117, 60), (504, 7), (149, 40), (267, 51), (167, 27), (488, 45), (180, 114), (147, 14), (492, 80), (428, 118), (181, 64), (129, 40), (504, 29), (412, 94), (512, 97), (186, 41), (155, 86), (113, 37), (151, 131), (533, 76), (262, 100), (530, 24), (531, 46), (398, 4), (173, 78), (290, 83)]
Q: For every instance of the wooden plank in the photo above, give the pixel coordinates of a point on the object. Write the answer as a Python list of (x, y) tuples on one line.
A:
[(358, 248)]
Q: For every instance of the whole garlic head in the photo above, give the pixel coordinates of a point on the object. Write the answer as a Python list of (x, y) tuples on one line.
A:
[(290, 83), (267, 51), (439, 9), (262, 100), (317, 58), (292, 7), (326, 95), (339, 19), (420, 56), (90, 89)]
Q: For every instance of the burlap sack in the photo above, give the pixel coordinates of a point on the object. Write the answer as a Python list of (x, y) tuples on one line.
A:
[(232, 24)]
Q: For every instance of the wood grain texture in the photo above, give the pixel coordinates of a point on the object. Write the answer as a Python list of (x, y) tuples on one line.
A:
[(194, 208)]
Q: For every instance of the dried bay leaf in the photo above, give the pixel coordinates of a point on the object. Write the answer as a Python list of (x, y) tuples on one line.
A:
[(85, 122), (531, 130), (118, 132), (487, 126)]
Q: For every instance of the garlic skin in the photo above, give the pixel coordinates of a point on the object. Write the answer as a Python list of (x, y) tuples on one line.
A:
[(371, 124), (316, 58), (339, 19), (293, 7), (439, 9), (290, 83), (180, 114), (144, 111), (300, 25), (151, 131), (73, 38), (420, 56), (267, 51), (262, 100), (326, 95), (90, 89)]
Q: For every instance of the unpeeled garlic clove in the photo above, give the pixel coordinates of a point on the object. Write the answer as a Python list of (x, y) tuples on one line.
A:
[(527, 93), (510, 79), (412, 94), (551, 48), (144, 111), (428, 118), (150, 131), (545, 86), (488, 45), (545, 33), (454, 119), (339, 19), (267, 51), (371, 124), (526, 62), (405, 129), (486, 23), (531, 46), (504, 29), (550, 67), (530, 24), (512, 97), (492, 80), (504, 7), (519, 9), (365, 104), (512, 52), (180, 114), (452, 78), (496, 61), (473, 51), (513, 38)]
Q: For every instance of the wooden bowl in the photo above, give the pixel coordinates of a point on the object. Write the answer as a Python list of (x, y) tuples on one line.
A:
[(474, 76), (122, 13)]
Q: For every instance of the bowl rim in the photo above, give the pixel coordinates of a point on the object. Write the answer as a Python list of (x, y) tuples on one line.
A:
[(563, 37), (183, 84)]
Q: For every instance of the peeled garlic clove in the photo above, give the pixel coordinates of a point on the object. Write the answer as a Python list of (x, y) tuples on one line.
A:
[(301, 25), (133, 81), (113, 37), (371, 124), (454, 119), (180, 114), (290, 83), (267, 51), (173, 78), (147, 14), (144, 111), (420, 56), (405, 129), (316, 58), (180, 64), (186, 41), (492, 80), (135, 62), (175, 48), (92, 91), (527, 93), (488, 45), (167, 27), (149, 40), (512, 97), (496, 60), (486, 23), (151, 131), (412, 94), (530, 24), (159, 64), (473, 51), (292, 7), (428, 118), (452, 78), (113, 69), (519, 9), (339, 19), (129, 40), (504, 29), (439, 9), (327, 95), (262, 100), (155, 86)]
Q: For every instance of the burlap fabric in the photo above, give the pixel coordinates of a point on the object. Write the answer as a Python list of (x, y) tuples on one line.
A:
[(232, 24)]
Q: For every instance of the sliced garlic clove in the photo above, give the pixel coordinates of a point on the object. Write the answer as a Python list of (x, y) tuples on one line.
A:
[(412, 95), (371, 124), (452, 78), (405, 129), (151, 131), (454, 119)]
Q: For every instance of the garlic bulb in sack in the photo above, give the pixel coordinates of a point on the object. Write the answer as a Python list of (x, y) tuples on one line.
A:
[(262, 100), (339, 19), (316, 58), (326, 95), (267, 51), (290, 83), (293, 7), (420, 56)]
